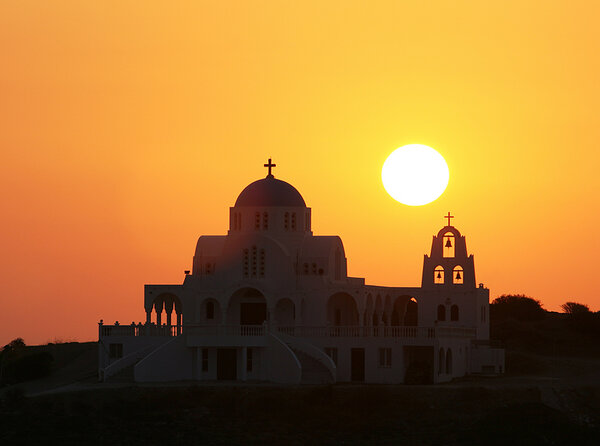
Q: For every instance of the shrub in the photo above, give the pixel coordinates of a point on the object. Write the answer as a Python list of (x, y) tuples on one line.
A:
[(516, 306)]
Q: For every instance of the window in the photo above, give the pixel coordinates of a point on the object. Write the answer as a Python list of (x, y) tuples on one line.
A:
[(441, 313), (115, 351), (286, 221), (448, 247), (438, 274), (249, 359), (385, 357), (293, 221), (257, 221), (265, 220), (261, 270), (454, 313), (208, 268), (253, 261), (305, 268), (205, 360), (314, 269), (246, 262), (210, 310), (332, 353), (458, 275)]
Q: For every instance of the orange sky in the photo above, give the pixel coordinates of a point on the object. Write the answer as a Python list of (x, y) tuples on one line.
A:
[(126, 132)]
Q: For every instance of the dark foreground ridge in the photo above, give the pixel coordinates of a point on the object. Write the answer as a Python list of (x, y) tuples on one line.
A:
[(265, 415)]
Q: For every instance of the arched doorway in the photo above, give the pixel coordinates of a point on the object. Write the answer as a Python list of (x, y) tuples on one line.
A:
[(342, 310), (285, 313), (411, 316), (247, 306)]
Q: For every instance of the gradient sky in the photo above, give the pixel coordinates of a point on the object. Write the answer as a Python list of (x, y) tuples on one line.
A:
[(128, 128)]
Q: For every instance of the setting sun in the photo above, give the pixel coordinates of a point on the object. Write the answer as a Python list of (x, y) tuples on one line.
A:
[(415, 175)]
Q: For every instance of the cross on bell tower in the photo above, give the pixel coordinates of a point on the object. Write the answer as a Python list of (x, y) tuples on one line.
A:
[(270, 165), (446, 216)]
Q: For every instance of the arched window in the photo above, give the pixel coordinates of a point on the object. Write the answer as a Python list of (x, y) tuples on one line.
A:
[(438, 274), (441, 313), (210, 310), (449, 361), (286, 221), (449, 244), (454, 313), (458, 275), (441, 361)]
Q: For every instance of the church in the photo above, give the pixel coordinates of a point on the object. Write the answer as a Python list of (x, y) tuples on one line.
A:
[(272, 302)]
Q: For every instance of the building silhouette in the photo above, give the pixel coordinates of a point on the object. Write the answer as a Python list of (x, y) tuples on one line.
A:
[(270, 301)]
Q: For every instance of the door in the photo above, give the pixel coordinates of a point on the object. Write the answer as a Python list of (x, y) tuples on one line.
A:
[(357, 364), (227, 364), (253, 313)]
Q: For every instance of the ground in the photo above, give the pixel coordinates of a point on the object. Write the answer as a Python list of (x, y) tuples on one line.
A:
[(550, 395)]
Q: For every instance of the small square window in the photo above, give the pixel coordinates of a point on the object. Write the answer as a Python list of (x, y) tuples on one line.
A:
[(249, 359)]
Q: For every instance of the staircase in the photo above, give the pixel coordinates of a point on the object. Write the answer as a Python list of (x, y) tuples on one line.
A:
[(124, 375), (313, 372)]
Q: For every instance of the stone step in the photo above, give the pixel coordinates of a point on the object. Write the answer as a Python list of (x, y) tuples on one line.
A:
[(313, 372)]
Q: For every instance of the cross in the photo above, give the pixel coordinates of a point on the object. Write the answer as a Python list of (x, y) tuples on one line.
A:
[(270, 165), (445, 216)]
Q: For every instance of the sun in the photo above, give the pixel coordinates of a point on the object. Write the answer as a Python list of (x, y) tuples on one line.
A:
[(415, 175)]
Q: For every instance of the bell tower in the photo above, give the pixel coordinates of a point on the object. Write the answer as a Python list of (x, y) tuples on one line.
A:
[(448, 265)]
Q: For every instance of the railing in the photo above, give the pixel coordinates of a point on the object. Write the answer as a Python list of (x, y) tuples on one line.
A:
[(140, 330), (225, 330), (380, 331), (353, 331)]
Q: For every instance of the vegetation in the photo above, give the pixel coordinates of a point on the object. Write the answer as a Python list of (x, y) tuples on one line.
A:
[(575, 308), (516, 306), (19, 364)]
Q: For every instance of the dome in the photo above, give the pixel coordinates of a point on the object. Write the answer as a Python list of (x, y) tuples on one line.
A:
[(270, 192)]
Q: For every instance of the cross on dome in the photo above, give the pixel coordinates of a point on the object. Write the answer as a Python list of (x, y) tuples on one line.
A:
[(446, 216), (270, 165)]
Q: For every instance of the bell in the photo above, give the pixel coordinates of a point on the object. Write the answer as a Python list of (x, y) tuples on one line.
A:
[(458, 275), (439, 275), (448, 243)]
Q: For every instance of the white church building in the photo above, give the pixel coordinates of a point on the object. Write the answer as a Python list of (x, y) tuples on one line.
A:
[(272, 302)]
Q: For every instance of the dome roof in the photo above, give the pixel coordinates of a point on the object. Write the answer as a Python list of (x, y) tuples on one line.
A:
[(270, 192)]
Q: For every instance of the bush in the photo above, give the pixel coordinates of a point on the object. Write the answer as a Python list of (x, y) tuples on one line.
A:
[(516, 306), (574, 308)]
